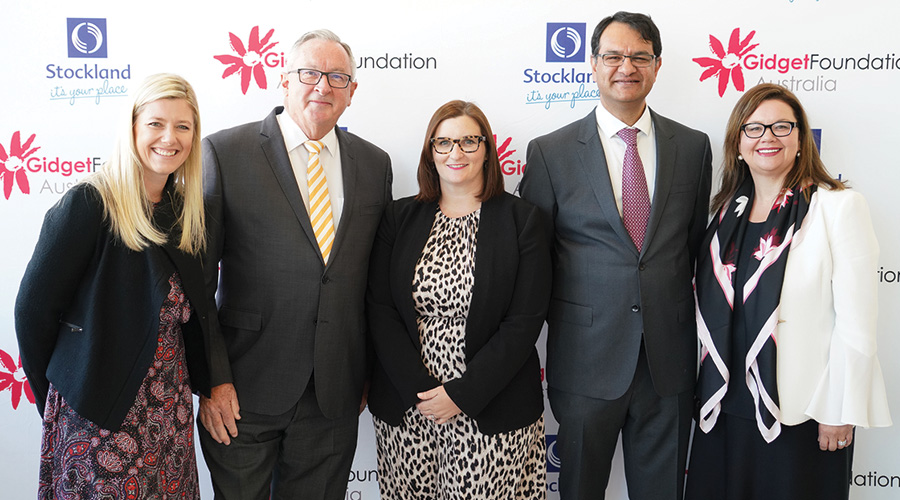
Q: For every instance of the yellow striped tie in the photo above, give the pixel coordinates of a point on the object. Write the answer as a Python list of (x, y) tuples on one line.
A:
[(319, 202)]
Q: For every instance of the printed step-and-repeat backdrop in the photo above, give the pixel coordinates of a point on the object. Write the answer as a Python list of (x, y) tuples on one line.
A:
[(70, 67)]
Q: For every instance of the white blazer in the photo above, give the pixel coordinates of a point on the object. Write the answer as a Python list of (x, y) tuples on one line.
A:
[(827, 368)]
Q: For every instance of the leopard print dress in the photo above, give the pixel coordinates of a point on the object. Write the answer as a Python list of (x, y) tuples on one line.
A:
[(420, 459)]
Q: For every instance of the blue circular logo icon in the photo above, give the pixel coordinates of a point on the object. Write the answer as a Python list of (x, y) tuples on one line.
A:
[(559, 49), (91, 31)]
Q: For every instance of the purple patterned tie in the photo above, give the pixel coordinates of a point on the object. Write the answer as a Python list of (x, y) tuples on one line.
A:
[(635, 197)]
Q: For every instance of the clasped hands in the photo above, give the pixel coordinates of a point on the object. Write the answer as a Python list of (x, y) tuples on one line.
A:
[(436, 405)]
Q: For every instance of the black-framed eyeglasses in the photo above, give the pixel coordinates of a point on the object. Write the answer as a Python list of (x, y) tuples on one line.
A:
[(467, 144), (757, 130), (312, 76), (616, 60)]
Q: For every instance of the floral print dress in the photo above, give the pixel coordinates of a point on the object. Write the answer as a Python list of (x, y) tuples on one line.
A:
[(152, 455)]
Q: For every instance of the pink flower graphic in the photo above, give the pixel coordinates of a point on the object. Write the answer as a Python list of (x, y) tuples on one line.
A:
[(727, 64), (503, 149), (12, 165), (12, 377), (250, 60)]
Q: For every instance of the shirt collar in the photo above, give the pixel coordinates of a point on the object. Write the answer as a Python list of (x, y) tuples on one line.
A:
[(294, 136), (610, 125)]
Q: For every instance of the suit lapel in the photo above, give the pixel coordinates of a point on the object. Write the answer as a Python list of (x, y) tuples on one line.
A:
[(416, 235), (666, 151), (593, 162), (349, 169), (272, 144)]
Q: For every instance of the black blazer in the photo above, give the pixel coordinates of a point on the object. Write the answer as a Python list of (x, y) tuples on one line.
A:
[(501, 388), (87, 312)]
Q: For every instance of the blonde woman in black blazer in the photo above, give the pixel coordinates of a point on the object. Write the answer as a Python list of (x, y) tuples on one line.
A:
[(111, 317), (458, 290)]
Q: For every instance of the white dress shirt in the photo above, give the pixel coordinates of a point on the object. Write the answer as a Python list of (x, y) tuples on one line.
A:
[(608, 126), (329, 157)]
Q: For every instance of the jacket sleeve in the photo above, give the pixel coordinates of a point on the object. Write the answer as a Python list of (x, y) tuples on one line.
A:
[(537, 186), (219, 364), (68, 241), (851, 390), (500, 359), (394, 347)]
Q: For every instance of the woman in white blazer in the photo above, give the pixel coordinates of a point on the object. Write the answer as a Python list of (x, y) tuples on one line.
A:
[(786, 314)]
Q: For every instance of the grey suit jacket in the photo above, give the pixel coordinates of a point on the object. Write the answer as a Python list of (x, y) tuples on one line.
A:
[(282, 313), (606, 296)]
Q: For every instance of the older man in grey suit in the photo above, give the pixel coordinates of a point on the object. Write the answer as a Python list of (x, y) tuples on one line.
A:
[(293, 204), (628, 193)]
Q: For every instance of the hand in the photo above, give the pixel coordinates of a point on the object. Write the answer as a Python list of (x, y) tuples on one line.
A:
[(219, 412), (835, 437), (437, 406)]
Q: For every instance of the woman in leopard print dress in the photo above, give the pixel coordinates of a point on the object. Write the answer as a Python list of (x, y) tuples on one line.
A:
[(458, 290)]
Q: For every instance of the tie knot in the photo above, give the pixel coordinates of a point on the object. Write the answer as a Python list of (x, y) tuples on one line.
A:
[(629, 135), (314, 146)]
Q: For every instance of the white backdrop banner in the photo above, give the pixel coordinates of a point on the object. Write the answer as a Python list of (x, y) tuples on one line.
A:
[(71, 67)]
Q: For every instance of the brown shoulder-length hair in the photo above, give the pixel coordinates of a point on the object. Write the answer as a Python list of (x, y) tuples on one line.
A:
[(807, 168), (430, 182)]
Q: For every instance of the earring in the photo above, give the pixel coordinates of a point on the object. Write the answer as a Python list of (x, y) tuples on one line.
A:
[(798, 154), (740, 158)]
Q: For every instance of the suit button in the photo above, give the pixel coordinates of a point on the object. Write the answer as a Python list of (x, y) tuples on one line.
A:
[(635, 308), (325, 279), (641, 267)]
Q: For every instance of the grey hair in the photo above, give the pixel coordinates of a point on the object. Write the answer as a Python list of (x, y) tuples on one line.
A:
[(323, 34)]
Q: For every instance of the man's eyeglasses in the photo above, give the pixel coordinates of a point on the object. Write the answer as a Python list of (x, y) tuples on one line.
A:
[(312, 77), (779, 129), (467, 144), (616, 60)]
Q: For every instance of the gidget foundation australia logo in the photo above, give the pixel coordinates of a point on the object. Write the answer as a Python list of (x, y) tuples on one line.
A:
[(54, 175), (746, 63), (549, 83), (12, 165), (12, 379), (87, 38), (726, 66), (250, 60)]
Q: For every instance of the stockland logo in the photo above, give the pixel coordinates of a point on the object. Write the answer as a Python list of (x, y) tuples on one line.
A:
[(553, 461), (87, 37), (566, 42), (86, 81), (251, 59)]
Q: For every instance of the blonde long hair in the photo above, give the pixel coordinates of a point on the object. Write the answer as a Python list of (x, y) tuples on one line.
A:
[(120, 180)]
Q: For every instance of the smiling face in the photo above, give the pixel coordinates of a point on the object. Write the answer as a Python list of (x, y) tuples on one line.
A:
[(316, 108), (624, 88), (457, 170), (163, 135), (769, 156)]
